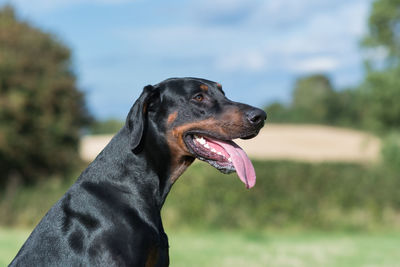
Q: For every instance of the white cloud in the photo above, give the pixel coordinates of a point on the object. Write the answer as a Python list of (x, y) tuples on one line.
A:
[(316, 64), (317, 44), (252, 61), (222, 11)]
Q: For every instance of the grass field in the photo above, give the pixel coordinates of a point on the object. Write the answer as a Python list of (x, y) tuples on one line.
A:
[(10, 242), (218, 248)]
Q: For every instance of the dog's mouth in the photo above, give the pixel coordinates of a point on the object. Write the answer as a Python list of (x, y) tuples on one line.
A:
[(225, 155)]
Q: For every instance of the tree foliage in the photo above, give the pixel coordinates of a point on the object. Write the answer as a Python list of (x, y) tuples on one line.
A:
[(382, 82), (384, 27), (382, 90), (41, 109), (312, 98)]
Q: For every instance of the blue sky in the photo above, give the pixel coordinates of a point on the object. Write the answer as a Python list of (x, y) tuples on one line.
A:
[(256, 49)]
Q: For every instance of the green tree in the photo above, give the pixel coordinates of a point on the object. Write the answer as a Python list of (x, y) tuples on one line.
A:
[(313, 99), (382, 106), (278, 112), (41, 109), (384, 28), (382, 82), (348, 108)]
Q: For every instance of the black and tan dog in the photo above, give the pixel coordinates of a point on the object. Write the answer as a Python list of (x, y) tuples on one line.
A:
[(111, 215)]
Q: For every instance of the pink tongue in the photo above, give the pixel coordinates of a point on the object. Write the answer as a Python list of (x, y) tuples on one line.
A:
[(241, 162)]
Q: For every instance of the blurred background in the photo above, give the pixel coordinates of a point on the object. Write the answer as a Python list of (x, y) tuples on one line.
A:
[(327, 162)]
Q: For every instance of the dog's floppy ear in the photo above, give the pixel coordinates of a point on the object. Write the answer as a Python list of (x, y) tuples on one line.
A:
[(137, 116)]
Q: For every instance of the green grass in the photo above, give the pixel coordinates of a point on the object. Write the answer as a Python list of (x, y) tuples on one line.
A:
[(284, 249), (10, 242), (234, 248)]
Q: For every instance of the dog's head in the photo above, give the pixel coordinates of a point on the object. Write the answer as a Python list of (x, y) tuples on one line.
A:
[(197, 120)]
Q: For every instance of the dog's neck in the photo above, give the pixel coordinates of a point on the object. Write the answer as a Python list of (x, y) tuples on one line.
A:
[(167, 165), (148, 173)]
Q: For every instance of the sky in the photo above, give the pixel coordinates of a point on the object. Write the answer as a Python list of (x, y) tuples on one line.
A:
[(255, 48)]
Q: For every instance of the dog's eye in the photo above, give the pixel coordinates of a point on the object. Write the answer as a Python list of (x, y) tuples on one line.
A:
[(198, 97)]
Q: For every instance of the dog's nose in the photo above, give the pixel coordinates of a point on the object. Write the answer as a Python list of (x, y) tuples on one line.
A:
[(256, 116)]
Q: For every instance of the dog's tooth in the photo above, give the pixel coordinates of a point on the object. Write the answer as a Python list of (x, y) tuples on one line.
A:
[(213, 150), (230, 160), (219, 153), (200, 140), (206, 146)]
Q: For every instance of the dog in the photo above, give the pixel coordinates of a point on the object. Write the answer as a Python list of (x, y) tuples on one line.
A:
[(111, 215)]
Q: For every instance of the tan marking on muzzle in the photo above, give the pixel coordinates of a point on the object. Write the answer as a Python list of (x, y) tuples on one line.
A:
[(227, 123)]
